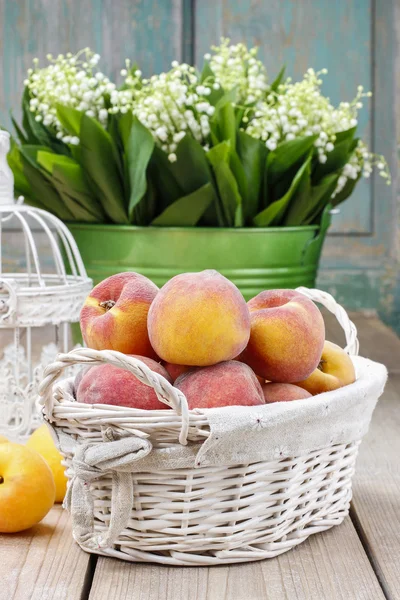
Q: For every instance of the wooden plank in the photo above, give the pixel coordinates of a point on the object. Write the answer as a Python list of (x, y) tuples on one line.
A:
[(376, 499), (149, 33), (43, 563), (328, 566), (310, 33)]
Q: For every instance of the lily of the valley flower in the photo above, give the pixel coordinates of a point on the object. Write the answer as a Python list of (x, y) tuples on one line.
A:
[(70, 80), (300, 109), (172, 105)]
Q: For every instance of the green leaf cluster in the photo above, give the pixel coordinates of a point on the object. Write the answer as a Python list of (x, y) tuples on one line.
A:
[(119, 175)]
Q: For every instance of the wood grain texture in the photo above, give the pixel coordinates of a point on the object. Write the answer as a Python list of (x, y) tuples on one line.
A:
[(328, 566), (376, 487), (43, 563), (310, 33), (148, 33)]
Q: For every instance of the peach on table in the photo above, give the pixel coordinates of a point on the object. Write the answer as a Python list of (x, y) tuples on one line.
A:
[(27, 488), (42, 442)]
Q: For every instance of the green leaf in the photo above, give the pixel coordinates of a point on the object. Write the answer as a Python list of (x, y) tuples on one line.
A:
[(274, 213), (146, 210), (76, 153), (119, 155), (138, 152), (21, 184), (21, 136), (239, 114), (207, 72), (278, 80), (69, 180), (346, 191), (306, 206), (229, 97), (70, 119), (191, 169), (125, 125), (299, 204), (231, 200), (31, 138), (253, 154), (47, 160), (238, 171), (98, 161), (336, 159), (168, 189), (43, 190), (226, 124), (38, 133), (187, 211), (286, 155), (321, 197), (73, 198), (30, 153), (348, 134)]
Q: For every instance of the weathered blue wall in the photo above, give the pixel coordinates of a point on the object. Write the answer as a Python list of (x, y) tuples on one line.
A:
[(354, 39)]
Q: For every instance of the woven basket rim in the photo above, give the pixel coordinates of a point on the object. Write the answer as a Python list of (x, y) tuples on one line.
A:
[(197, 412)]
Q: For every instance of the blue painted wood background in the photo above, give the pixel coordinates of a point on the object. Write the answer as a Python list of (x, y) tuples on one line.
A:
[(354, 39)]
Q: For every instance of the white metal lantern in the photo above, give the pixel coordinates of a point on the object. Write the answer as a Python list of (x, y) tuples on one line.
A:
[(43, 284)]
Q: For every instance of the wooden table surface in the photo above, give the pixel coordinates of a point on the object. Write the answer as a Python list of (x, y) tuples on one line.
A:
[(359, 560)]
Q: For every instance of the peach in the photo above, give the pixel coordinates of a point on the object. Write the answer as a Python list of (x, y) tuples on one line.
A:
[(283, 392), (114, 316), (335, 370), (175, 370), (27, 488), (287, 336), (225, 384), (106, 384), (199, 319), (79, 376)]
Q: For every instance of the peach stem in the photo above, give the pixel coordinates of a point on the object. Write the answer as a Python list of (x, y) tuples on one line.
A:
[(107, 304)]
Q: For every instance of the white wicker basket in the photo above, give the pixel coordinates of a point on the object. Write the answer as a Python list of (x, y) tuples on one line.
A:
[(197, 515)]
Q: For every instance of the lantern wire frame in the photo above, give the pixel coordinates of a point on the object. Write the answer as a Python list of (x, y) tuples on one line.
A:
[(43, 285)]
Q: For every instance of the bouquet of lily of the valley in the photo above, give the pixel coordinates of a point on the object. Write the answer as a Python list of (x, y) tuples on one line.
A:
[(223, 147)]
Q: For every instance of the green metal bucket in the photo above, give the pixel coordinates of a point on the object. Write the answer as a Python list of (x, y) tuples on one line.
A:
[(254, 259)]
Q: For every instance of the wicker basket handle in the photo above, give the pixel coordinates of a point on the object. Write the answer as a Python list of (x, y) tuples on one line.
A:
[(350, 330), (166, 392)]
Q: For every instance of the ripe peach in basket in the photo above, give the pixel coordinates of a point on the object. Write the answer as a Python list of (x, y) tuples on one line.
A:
[(334, 370), (225, 384), (175, 370), (199, 319), (283, 392), (106, 384), (114, 316), (287, 336)]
